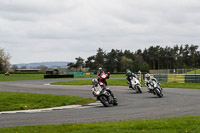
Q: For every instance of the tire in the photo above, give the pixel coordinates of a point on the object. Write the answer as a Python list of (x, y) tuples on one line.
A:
[(115, 103), (104, 100), (158, 92), (139, 89)]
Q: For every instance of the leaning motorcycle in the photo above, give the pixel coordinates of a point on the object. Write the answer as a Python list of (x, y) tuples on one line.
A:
[(155, 88), (105, 96), (135, 83)]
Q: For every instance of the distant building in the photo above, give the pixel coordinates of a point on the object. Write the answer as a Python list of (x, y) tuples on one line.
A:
[(28, 70)]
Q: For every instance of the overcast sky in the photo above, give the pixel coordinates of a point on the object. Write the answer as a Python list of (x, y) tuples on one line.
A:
[(61, 30)]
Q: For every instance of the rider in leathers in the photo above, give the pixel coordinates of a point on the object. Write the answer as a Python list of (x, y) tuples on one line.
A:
[(100, 79), (148, 78), (129, 74)]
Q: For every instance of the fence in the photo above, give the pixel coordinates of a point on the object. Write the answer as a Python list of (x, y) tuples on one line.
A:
[(79, 73), (178, 78), (176, 71)]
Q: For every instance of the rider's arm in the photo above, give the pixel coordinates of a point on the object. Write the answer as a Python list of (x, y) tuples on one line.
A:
[(155, 80), (108, 75)]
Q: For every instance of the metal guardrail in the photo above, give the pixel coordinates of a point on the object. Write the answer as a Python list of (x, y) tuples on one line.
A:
[(175, 71), (178, 78)]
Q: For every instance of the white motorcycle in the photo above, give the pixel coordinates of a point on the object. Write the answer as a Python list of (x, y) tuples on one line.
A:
[(105, 96), (135, 83), (155, 88)]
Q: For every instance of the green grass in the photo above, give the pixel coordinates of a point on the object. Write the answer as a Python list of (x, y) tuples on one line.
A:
[(111, 82), (85, 76), (193, 72), (122, 82), (188, 124), (95, 76), (16, 77), (117, 82), (117, 75), (21, 101), (181, 85)]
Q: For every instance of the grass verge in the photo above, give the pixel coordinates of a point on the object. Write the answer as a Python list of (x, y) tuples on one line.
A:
[(166, 125), (118, 82), (194, 72), (181, 85), (16, 77), (21, 101), (95, 76), (122, 82)]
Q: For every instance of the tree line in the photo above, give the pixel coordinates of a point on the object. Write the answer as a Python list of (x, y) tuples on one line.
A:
[(4, 60), (152, 58)]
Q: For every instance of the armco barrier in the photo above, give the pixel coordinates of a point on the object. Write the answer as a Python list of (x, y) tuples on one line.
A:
[(79, 73), (87, 73), (192, 78), (161, 77), (178, 78), (58, 76)]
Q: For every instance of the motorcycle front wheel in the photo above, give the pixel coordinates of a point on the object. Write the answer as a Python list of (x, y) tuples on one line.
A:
[(139, 89), (158, 92), (104, 100)]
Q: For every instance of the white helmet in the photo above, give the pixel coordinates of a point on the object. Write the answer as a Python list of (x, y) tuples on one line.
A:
[(147, 76), (100, 70), (94, 81)]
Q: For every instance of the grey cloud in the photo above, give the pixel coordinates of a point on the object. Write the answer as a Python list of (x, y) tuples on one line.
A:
[(35, 6), (72, 28)]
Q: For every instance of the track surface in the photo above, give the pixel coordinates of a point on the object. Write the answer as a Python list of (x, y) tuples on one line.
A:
[(132, 106)]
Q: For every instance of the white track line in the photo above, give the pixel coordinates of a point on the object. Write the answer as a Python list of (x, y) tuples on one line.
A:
[(50, 109)]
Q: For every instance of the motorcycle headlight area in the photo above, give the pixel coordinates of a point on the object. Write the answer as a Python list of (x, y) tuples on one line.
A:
[(97, 92)]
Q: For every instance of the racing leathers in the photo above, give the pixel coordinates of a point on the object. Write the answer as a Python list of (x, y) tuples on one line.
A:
[(147, 83), (128, 78)]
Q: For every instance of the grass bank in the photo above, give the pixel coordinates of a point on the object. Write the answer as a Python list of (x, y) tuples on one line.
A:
[(16, 77), (168, 125), (95, 76), (21, 101), (194, 72), (122, 82), (117, 82)]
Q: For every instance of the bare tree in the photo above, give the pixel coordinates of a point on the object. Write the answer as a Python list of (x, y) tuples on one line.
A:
[(14, 67), (4, 60)]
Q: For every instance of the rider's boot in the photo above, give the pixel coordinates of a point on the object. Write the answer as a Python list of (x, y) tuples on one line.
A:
[(149, 90), (130, 85)]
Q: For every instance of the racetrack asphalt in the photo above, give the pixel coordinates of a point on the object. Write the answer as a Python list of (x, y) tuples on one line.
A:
[(132, 106)]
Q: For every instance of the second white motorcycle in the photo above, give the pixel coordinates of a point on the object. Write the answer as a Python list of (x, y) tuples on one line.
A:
[(135, 84)]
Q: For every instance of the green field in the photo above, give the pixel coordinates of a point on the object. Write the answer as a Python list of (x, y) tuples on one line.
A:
[(122, 82), (117, 82), (21, 101), (16, 77), (188, 124), (194, 72), (95, 76)]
